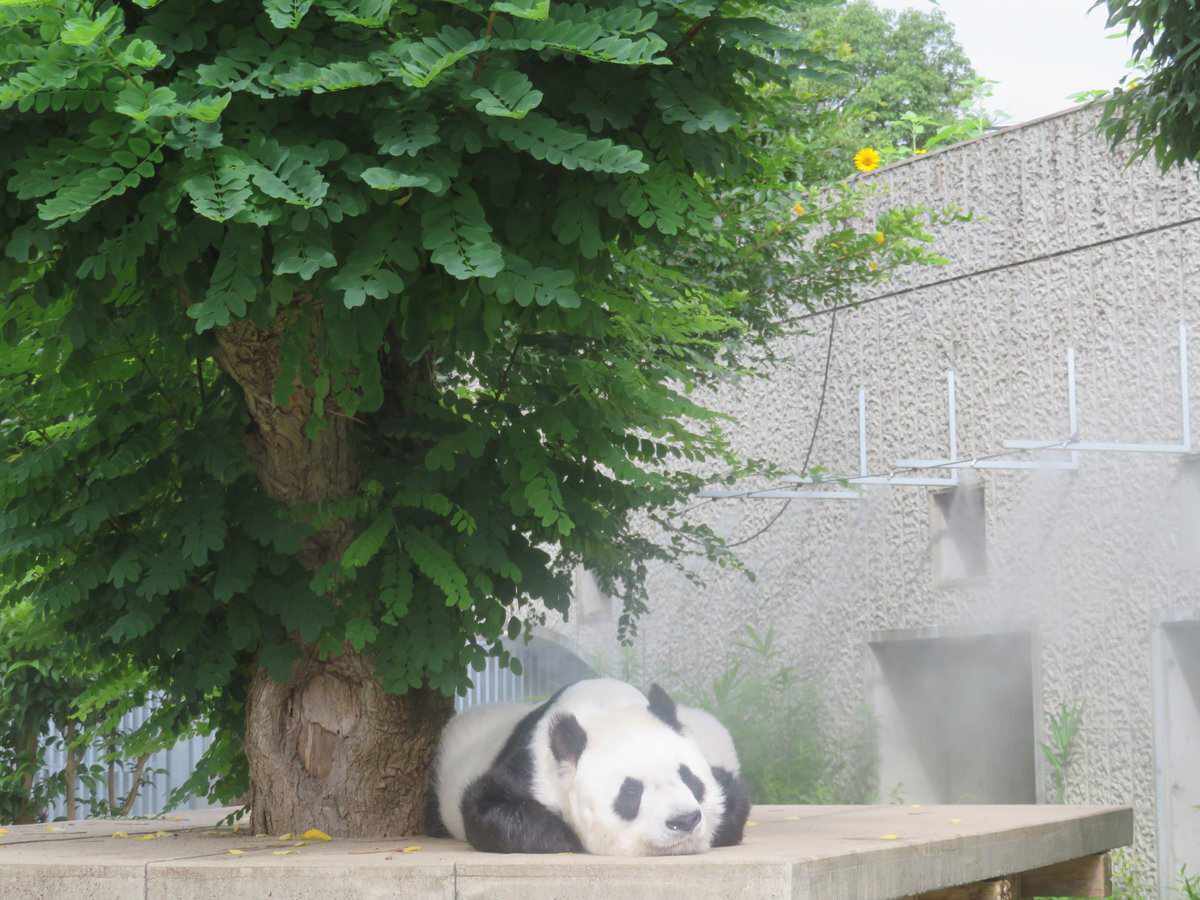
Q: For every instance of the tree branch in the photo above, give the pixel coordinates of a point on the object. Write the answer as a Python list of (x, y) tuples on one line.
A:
[(138, 768)]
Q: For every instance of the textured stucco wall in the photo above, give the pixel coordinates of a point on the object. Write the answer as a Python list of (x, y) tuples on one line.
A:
[(1086, 559)]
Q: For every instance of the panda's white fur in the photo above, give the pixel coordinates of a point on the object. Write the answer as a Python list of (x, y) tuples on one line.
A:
[(712, 737), (467, 748), (564, 775)]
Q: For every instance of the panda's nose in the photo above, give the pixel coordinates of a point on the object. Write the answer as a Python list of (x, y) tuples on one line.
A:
[(685, 823)]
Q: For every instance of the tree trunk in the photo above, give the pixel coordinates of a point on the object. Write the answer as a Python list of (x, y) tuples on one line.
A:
[(329, 749), (111, 781), (71, 773)]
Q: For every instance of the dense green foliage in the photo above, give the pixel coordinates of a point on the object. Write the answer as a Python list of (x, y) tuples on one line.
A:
[(487, 254), (1155, 113), (48, 680), (899, 82)]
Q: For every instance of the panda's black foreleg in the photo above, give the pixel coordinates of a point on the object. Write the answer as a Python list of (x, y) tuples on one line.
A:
[(500, 818), (737, 808)]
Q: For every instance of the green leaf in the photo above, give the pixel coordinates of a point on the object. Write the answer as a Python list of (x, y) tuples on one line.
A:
[(509, 94), (82, 32), (407, 132), (433, 171), (278, 660), (132, 624), (203, 533), (360, 633), (303, 253), (421, 62), (236, 280), (576, 221), (594, 33), (436, 564), (207, 109), (126, 570), (142, 101), (370, 272), (288, 174), (456, 230), (338, 76), (165, 575), (523, 9), (523, 283), (236, 565), (142, 53), (367, 13), (364, 547), (286, 14), (221, 187), (682, 103), (543, 138), (393, 178), (395, 588)]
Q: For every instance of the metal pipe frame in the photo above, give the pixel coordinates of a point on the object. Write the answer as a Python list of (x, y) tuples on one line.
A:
[(1005, 463)]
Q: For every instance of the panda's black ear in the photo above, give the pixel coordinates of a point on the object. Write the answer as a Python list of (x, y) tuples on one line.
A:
[(662, 706), (567, 738)]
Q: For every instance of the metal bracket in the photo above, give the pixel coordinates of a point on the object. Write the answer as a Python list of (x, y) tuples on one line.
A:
[(1073, 443)]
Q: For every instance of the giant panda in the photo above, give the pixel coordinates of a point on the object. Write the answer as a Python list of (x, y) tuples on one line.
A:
[(599, 767)]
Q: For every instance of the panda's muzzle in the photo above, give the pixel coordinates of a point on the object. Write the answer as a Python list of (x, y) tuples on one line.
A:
[(685, 823)]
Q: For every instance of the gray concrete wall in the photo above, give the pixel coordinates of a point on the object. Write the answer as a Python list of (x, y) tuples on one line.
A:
[(1084, 560)]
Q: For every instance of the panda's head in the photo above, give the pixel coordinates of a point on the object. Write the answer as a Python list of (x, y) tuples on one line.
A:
[(632, 786)]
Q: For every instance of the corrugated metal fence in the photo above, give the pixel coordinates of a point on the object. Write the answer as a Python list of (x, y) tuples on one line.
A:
[(547, 667)]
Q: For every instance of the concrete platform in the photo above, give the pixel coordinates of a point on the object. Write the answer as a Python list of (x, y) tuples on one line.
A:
[(800, 852)]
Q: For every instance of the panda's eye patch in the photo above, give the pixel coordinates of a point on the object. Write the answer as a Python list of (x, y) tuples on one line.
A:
[(695, 785), (629, 799)]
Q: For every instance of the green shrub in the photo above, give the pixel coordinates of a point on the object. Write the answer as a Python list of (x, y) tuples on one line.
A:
[(781, 730)]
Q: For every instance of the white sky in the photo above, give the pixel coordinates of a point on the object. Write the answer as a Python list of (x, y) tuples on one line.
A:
[(1040, 51)]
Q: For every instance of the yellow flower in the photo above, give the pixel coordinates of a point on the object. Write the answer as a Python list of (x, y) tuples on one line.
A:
[(866, 159), (880, 237), (920, 151), (798, 208), (873, 266)]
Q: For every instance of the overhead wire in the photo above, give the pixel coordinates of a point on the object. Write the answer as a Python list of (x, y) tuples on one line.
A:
[(1001, 267), (812, 440)]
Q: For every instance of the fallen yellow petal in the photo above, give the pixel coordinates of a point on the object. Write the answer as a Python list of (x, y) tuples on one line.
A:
[(751, 824), (889, 837), (235, 852), (55, 828), (286, 837), (299, 843), (413, 849), (146, 837), (287, 852), (316, 834), (120, 834)]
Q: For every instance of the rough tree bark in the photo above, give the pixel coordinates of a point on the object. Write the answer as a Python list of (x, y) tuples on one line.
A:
[(71, 772), (329, 749)]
